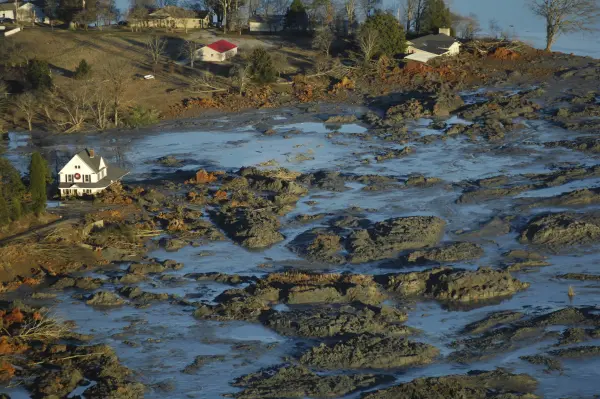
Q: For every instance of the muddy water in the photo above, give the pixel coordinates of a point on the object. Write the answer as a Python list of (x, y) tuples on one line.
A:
[(159, 341)]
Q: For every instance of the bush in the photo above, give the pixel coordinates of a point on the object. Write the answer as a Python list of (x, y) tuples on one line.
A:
[(83, 70), (140, 117), (38, 75), (262, 68), (390, 33)]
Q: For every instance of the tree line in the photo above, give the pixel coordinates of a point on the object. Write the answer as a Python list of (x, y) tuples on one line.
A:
[(21, 196)]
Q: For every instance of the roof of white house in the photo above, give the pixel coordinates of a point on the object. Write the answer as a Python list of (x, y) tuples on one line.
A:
[(420, 56), (91, 159), (435, 44), (94, 161)]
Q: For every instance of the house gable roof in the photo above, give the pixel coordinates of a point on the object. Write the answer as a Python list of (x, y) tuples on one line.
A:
[(93, 163), (221, 46), (435, 44), (202, 14)]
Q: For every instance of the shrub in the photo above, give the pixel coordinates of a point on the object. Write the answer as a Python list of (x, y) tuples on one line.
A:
[(38, 75), (83, 70), (140, 117), (262, 68), (38, 176)]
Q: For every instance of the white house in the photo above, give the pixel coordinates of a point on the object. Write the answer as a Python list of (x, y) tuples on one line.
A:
[(427, 47), (218, 51), (26, 12), (87, 174), (272, 23)]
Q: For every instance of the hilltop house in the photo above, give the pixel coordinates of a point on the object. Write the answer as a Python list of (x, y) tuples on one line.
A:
[(87, 174), (427, 47), (220, 50), (175, 17), (272, 23), (22, 12)]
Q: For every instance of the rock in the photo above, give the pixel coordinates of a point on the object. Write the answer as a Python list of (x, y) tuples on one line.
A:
[(392, 154), (341, 119), (57, 383), (104, 298), (325, 180), (138, 295), (454, 284), (250, 228), (487, 194), (130, 278), (492, 228), (298, 382), (370, 351), (580, 276), (492, 321), (454, 252), (585, 144), (497, 384), (83, 283), (551, 364), (319, 245), (146, 268), (173, 244), (223, 278), (558, 230), (576, 352), (169, 161), (385, 239), (333, 321), (422, 181), (581, 197), (200, 361)]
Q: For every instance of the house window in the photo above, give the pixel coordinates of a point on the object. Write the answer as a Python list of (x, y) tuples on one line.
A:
[(86, 178), (69, 178)]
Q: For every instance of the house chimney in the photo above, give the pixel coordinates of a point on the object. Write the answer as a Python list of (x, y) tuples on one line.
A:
[(444, 31), (91, 152)]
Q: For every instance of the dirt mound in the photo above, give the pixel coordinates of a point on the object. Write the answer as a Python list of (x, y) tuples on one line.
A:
[(336, 321), (298, 382), (319, 245), (497, 384), (250, 228), (454, 252), (559, 230), (449, 284), (370, 351), (503, 53), (387, 238)]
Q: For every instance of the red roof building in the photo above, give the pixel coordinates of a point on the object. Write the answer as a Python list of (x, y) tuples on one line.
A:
[(222, 46)]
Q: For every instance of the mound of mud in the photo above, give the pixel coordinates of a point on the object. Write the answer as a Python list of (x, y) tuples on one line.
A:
[(454, 252), (448, 284), (298, 382), (370, 351), (498, 384), (385, 239), (332, 321), (250, 228), (319, 245), (557, 230)]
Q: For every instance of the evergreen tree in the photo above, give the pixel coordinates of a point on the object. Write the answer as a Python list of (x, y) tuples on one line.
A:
[(11, 185), (38, 175), (38, 75), (390, 33), (83, 70), (16, 209), (436, 15), (4, 213), (262, 68), (296, 17)]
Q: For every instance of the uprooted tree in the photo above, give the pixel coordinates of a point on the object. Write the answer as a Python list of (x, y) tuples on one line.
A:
[(564, 16)]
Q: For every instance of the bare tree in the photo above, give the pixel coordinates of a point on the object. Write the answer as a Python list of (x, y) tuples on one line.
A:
[(28, 104), (350, 7), (368, 41), (189, 49), (467, 27), (419, 13), (494, 27), (101, 106), (117, 77), (240, 75), (75, 102), (323, 40), (563, 16), (155, 47), (410, 7)]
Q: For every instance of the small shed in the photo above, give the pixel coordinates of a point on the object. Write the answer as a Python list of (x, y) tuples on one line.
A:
[(270, 24), (218, 51)]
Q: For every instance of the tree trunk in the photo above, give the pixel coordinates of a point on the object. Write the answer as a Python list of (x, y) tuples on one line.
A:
[(116, 115), (29, 124), (224, 20)]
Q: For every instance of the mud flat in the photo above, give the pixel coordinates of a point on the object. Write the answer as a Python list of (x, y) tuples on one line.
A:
[(324, 260)]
